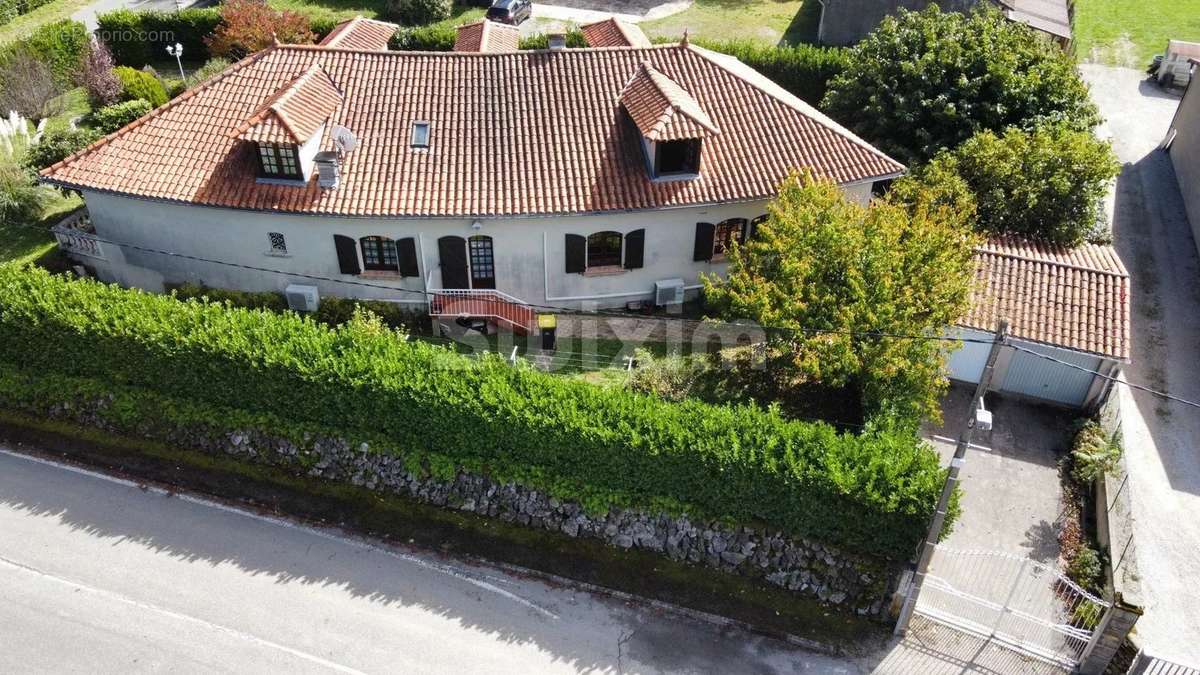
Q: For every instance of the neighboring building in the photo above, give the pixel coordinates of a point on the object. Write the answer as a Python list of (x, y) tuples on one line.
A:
[(1069, 304), (845, 22), (362, 34), (487, 36), (613, 32), (1183, 145), (545, 178)]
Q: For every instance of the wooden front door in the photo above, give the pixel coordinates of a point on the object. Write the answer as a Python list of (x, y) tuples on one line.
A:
[(453, 254), (483, 264)]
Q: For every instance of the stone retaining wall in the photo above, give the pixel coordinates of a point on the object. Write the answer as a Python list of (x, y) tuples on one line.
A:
[(848, 582)]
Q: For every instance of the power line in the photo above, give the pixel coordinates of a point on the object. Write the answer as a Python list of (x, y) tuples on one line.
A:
[(427, 295), (1110, 378)]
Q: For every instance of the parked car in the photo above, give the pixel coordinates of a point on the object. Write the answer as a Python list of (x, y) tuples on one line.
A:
[(510, 11)]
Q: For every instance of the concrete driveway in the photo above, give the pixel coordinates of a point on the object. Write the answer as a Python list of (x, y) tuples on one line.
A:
[(1162, 439)]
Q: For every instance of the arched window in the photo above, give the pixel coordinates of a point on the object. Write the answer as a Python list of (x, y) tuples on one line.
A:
[(727, 232), (379, 253), (604, 249)]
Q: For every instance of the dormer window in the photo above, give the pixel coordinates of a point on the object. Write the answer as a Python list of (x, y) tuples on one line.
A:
[(279, 161), (672, 123), (420, 135), (674, 158)]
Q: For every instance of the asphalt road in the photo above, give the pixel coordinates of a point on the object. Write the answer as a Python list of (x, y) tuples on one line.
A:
[(1161, 439), (99, 575)]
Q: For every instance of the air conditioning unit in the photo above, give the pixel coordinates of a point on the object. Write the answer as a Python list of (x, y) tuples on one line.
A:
[(302, 298), (668, 292)]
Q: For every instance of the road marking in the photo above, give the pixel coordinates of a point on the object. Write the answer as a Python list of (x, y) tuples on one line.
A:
[(282, 522), (184, 617)]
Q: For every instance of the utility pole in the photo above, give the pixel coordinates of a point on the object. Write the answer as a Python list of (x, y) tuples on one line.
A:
[(960, 452)]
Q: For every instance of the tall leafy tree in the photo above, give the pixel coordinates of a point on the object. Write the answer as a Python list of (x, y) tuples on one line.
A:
[(827, 276), (924, 81), (1046, 183)]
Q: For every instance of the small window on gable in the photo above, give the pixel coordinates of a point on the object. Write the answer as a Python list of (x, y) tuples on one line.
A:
[(279, 161), (420, 135), (676, 158)]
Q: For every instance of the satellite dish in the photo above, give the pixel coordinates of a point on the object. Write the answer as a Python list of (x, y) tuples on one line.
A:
[(344, 139)]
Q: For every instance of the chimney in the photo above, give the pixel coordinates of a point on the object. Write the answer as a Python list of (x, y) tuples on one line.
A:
[(327, 169), (558, 41)]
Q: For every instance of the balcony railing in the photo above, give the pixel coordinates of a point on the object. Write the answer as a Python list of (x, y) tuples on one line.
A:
[(483, 304), (76, 236)]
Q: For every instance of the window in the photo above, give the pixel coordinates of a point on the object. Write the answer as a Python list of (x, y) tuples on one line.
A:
[(604, 250), (677, 157), (278, 243), (727, 232), (279, 161), (420, 135), (379, 253), (483, 264)]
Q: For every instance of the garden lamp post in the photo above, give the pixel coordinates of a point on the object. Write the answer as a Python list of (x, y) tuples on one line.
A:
[(177, 52)]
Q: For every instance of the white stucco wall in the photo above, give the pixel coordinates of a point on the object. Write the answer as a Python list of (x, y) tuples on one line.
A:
[(529, 252), (1185, 155)]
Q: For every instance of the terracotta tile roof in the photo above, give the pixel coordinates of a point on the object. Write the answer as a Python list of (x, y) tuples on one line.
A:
[(1073, 298), (487, 36), (297, 111), (547, 121), (612, 32), (662, 110), (361, 33)]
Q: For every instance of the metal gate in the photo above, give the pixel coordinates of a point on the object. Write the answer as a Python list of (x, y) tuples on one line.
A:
[(1013, 601), (1034, 376)]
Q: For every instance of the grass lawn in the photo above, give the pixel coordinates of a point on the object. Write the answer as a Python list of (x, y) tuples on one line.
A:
[(1123, 33), (27, 242), (769, 21), (25, 24), (340, 10)]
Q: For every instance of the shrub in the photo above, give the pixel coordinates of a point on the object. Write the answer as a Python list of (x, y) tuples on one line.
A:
[(823, 262), (418, 12), (804, 70), (57, 143), (332, 310), (137, 38), (138, 84), (27, 86), (58, 46), (321, 26), (21, 200), (672, 377), (97, 77), (575, 40), (248, 26), (267, 300), (108, 119), (1047, 183), (871, 493), (924, 81), (435, 38), (11, 9), (1094, 453), (210, 69), (1086, 568)]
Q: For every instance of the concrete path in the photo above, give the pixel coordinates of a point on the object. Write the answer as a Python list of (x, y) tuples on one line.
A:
[(1162, 440)]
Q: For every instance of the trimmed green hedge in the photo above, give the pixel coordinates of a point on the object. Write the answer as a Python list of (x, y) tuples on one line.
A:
[(138, 38), (804, 70), (440, 38), (11, 9), (870, 493), (332, 310)]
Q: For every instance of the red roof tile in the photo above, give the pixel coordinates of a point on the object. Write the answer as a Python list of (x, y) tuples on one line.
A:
[(613, 32), (297, 111), (361, 33), (1075, 298), (662, 110), (487, 36), (549, 122)]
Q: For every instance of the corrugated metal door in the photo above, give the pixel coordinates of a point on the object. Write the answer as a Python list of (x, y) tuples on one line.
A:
[(1041, 378), (967, 362)]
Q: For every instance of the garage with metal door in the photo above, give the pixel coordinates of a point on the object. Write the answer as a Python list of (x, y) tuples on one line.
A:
[(1068, 314)]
